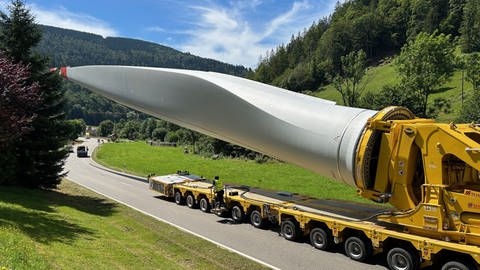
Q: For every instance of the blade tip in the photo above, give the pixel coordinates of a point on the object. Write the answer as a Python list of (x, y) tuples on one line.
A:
[(63, 72)]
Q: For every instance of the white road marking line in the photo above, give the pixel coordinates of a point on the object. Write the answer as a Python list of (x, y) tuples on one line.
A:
[(181, 228)]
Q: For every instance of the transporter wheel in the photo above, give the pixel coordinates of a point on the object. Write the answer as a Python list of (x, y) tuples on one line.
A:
[(256, 219), (402, 259), (455, 265), (178, 197), (204, 205), (289, 230), (237, 214), (190, 201), (321, 238), (357, 249)]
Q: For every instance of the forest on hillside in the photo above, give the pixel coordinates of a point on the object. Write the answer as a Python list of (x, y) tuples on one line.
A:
[(380, 28)]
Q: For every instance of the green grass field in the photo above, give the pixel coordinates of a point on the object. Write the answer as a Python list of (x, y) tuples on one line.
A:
[(142, 159), (73, 228), (383, 75)]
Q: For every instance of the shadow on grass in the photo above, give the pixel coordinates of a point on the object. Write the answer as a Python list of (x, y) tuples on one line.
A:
[(91, 205), (441, 90), (35, 213), (48, 200), (42, 227)]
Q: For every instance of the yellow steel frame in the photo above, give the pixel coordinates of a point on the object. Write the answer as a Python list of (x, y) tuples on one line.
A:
[(428, 171)]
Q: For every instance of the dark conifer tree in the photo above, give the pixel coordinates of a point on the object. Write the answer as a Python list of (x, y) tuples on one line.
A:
[(40, 154), (470, 29)]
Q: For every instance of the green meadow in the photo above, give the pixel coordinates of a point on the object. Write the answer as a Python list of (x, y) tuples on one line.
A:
[(74, 228), (142, 159)]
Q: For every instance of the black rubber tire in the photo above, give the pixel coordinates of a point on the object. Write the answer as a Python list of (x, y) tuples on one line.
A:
[(321, 239), (190, 201), (178, 198), (237, 214), (402, 259), (456, 265), (204, 205), (256, 219), (289, 230), (357, 249)]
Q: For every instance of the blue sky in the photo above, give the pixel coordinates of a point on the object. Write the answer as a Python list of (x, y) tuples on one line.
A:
[(236, 32)]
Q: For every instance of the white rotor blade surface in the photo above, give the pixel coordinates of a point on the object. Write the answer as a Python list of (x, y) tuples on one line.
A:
[(300, 129)]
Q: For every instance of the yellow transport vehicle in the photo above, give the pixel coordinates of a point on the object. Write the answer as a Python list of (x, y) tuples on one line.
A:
[(428, 172), (186, 188), (326, 223)]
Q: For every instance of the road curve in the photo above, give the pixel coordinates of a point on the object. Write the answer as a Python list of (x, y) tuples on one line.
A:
[(262, 245)]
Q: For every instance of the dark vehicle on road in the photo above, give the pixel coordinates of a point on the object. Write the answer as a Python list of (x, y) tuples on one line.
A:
[(82, 151)]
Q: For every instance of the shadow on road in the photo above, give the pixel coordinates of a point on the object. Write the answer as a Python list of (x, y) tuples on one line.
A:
[(227, 221)]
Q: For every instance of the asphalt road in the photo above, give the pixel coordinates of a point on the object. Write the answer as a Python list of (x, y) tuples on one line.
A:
[(262, 245)]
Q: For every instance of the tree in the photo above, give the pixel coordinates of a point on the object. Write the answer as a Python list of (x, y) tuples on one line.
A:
[(19, 33), (41, 151), (105, 128), (424, 64), (472, 67), (130, 130), (396, 95), (452, 24), (18, 98), (76, 127), (350, 82), (148, 126), (132, 116), (159, 133), (470, 29), (171, 136), (471, 110), (427, 16), (190, 137)]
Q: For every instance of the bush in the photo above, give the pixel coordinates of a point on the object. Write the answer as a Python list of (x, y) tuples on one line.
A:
[(131, 130), (471, 109), (171, 136), (396, 95), (76, 127), (105, 128), (159, 133)]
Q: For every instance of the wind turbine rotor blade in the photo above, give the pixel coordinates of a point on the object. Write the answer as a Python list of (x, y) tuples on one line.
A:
[(313, 133)]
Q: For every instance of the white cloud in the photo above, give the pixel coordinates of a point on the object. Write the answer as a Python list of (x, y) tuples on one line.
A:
[(244, 4), (155, 29), (63, 18), (225, 34), (287, 17)]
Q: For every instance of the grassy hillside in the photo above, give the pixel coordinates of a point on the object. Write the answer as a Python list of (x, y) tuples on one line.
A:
[(142, 159), (382, 75), (73, 228), (377, 77)]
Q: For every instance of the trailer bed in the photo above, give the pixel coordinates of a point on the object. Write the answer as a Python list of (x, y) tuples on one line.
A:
[(329, 207)]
